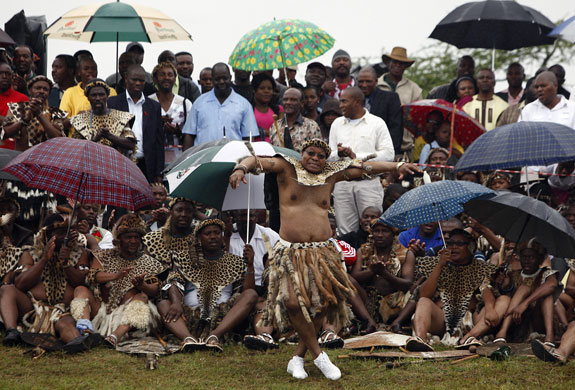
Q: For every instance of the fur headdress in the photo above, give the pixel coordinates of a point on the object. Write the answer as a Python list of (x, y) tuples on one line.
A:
[(208, 222), (318, 143), (35, 79), (534, 245), (179, 199), (96, 83), (129, 223)]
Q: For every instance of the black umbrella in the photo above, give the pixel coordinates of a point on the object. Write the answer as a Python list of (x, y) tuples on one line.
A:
[(519, 218), (6, 155), (494, 24), (5, 39)]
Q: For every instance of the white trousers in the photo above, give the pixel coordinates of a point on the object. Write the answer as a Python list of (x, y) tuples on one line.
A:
[(351, 198)]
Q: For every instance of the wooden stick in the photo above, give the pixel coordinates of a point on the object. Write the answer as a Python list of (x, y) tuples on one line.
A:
[(277, 127), (464, 359)]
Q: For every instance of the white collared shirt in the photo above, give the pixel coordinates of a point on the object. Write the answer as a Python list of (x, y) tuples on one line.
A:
[(137, 110), (365, 136), (257, 242), (563, 112)]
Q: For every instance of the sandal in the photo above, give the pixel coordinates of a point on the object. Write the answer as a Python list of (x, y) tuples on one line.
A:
[(500, 340), (190, 344), (416, 344), (212, 343), (546, 353), (549, 344), (330, 340), (260, 342), (111, 341), (470, 341)]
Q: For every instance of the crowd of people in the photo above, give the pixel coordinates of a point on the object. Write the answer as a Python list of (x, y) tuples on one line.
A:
[(319, 264)]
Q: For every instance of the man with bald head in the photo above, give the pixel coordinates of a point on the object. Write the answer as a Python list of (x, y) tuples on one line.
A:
[(549, 106), (219, 113), (384, 104), (363, 136), (294, 129)]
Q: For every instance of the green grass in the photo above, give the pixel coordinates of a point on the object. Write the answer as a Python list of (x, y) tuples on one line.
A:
[(239, 368)]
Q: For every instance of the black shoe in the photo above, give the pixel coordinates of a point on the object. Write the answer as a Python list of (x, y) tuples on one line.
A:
[(12, 338), (79, 344)]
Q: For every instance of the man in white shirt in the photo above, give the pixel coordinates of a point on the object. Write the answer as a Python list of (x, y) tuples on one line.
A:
[(89, 213), (262, 340), (357, 135), (549, 106)]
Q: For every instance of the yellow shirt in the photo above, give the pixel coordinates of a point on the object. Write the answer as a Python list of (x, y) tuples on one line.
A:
[(75, 101), (493, 108)]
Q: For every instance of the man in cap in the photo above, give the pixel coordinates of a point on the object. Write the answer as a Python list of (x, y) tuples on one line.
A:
[(307, 280), (394, 80), (315, 77), (33, 122), (341, 65)]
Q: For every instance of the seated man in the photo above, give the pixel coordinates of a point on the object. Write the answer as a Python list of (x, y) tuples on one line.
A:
[(213, 304), (452, 279), (357, 238), (384, 273), (87, 215), (533, 300), (426, 236), (261, 238), (124, 280), (44, 286)]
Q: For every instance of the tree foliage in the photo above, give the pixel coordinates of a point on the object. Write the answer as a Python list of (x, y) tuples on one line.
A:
[(435, 65)]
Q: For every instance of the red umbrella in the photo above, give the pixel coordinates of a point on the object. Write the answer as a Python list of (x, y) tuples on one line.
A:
[(466, 128), (83, 170)]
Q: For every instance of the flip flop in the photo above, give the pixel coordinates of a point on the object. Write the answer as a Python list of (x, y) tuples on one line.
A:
[(545, 353), (212, 343), (416, 344), (260, 342), (470, 341), (500, 340), (330, 340), (190, 344)]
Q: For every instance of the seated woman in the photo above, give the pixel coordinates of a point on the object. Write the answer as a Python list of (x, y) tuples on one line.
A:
[(384, 272), (219, 290)]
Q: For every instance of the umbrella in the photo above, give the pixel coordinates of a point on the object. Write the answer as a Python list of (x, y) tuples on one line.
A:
[(115, 22), (466, 128), (194, 149), (5, 39), (83, 170), (437, 201), (519, 218), (494, 24), (565, 30), (7, 155), (204, 176), (519, 144), (279, 44)]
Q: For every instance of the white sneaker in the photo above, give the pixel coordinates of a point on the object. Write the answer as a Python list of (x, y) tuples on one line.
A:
[(295, 368), (329, 370)]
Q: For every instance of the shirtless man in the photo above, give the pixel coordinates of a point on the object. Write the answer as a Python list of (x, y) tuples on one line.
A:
[(307, 281)]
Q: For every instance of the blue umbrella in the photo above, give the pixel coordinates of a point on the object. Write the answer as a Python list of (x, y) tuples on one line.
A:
[(565, 30), (519, 144), (431, 202)]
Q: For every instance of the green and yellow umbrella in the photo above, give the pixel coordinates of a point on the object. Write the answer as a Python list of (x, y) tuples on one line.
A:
[(279, 44)]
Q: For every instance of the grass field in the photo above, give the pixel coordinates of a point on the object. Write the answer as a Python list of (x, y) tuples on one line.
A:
[(239, 368)]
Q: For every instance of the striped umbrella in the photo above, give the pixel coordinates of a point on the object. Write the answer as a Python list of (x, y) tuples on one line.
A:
[(113, 22), (204, 176)]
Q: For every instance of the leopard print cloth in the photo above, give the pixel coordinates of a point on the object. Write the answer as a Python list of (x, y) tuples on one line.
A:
[(163, 246), (53, 275), (36, 133), (209, 276), (111, 261), (456, 285), (9, 257), (311, 179), (87, 125)]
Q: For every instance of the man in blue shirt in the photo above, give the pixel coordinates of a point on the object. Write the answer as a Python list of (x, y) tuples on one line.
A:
[(219, 113), (427, 233)]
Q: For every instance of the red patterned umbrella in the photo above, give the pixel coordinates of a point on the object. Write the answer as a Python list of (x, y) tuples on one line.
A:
[(466, 128), (83, 170)]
